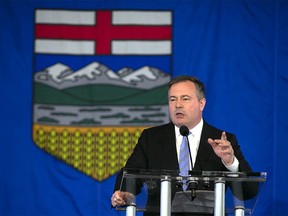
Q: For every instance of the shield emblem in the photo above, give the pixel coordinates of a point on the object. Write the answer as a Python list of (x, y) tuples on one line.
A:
[(100, 78)]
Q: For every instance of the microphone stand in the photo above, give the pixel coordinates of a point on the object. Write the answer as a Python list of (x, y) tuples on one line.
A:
[(193, 186)]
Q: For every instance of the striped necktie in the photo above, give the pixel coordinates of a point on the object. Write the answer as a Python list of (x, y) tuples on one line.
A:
[(184, 160)]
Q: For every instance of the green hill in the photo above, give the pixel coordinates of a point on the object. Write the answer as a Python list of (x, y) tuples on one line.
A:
[(90, 95)]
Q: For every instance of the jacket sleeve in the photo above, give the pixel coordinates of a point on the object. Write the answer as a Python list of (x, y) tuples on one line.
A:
[(244, 190), (138, 159)]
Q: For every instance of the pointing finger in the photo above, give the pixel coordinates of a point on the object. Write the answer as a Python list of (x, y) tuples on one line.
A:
[(224, 137)]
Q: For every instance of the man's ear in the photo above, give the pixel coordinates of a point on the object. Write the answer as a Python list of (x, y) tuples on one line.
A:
[(202, 103)]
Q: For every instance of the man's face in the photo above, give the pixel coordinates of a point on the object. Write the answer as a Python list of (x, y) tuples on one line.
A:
[(184, 106)]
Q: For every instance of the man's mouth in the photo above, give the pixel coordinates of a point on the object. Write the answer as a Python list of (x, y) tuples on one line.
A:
[(179, 115)]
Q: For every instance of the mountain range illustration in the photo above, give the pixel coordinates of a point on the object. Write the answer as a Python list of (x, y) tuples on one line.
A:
[(61, 76), (95, 84)]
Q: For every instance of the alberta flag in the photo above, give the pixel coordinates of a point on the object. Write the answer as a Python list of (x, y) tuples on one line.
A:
[(86, 113), (80, 80)]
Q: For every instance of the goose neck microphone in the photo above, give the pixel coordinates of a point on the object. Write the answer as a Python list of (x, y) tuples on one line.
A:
[(184, 131)]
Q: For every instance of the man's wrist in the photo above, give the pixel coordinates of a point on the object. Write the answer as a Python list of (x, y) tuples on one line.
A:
[(233, 167)]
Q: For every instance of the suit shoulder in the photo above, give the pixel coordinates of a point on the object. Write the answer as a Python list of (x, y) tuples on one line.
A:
[(215, 130), (159, 128)]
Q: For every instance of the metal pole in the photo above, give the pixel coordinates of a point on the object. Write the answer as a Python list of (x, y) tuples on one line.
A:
[(239, 211), (131, 210), (219, 195), (165, 199)]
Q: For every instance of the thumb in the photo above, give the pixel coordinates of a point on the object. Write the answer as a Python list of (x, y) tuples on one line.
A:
[(212, 142)]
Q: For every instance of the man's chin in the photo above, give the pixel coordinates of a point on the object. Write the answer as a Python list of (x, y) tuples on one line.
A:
[(180, 123)]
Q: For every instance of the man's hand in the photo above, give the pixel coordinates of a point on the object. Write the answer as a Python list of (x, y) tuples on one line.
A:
[(120, 198), (223, 149)]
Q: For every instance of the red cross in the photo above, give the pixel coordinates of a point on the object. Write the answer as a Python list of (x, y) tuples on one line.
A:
[(103, 32)]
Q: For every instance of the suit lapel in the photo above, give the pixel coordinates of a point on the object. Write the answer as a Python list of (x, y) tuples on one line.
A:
[(169, 151), (205, 150)]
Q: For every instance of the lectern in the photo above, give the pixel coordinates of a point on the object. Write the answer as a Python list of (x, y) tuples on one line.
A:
[(210, 192)]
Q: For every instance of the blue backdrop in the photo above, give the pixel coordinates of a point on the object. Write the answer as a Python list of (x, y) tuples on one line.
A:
[(239, 49)]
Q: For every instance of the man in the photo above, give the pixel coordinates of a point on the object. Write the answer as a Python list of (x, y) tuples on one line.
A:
[(211, 149)]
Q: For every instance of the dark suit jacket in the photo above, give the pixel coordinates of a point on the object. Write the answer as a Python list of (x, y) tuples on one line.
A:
[(156, 149)]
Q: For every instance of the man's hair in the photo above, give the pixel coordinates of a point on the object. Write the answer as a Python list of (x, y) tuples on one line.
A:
[(198, 84)]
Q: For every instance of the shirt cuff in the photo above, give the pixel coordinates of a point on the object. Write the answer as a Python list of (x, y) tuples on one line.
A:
[(234, 167)]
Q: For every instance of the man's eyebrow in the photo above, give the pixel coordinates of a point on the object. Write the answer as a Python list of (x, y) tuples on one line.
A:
[(181, 96), (184, 96)]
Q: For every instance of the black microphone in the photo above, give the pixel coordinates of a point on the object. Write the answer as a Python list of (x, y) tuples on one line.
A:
[(184, 131)]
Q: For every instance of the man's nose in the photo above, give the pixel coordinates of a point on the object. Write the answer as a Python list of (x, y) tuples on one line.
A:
[(178, 104)]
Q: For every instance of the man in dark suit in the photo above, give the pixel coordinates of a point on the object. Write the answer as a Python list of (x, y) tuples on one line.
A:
[(212, 149)]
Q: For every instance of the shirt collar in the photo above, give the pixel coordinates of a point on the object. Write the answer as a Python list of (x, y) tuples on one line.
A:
[(196, 131)]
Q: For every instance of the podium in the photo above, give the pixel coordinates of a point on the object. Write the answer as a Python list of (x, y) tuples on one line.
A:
[(217, 193)]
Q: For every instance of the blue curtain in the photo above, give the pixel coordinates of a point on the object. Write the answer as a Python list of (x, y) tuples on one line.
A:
[(239, 49)]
